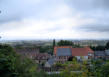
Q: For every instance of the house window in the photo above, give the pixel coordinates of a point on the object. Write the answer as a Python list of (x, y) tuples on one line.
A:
[(89, 54)]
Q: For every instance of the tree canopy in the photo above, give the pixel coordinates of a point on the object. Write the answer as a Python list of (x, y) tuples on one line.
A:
[(107, 45), (12, 65), (65, 43)]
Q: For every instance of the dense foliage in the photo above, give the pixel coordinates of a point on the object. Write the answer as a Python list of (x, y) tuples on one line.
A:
[(100, 48), (7, 61), (47, 49), (107, 45), (65, 43), (12, 65), (54, 43)]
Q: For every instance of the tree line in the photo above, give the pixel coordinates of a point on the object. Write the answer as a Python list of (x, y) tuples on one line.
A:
[(100, 48)]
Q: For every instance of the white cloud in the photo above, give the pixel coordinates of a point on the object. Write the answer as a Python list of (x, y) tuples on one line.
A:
[(34, 19), (33, 28)]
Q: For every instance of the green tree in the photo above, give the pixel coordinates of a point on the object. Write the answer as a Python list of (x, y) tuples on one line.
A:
[(85, 70), (72, 69), (65, 43), (12, 65), (98, 48), (7, 61), (47, 49), (107, 45), (76, 69), (54, 43), (104, 70)]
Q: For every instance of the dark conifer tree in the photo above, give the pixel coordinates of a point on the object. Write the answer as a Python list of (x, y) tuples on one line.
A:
[(54, 43)]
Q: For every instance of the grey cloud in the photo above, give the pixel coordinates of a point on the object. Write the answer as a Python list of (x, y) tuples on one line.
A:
[(14, 10), (90, 5), (9, 19), (95, 28), (102, 3), (18, 10)]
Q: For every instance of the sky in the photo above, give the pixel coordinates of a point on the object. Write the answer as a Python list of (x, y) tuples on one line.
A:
[(54, 19)]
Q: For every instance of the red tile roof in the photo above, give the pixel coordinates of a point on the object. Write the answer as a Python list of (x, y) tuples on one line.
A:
[(89, 49), (76, 51)]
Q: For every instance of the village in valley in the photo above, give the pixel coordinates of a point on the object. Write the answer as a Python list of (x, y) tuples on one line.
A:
[(63, 56), (54, 38)]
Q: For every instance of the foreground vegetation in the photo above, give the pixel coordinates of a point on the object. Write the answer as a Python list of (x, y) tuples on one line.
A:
[(14, 65)]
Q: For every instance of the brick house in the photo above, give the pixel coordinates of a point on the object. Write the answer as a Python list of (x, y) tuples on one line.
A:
[(99, 54), (83, 53), (27, 52), (107, 54), (33, 53), (63, 53), (42, 57)]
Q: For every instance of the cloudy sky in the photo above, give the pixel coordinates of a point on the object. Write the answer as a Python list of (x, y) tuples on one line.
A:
[(49, 19)]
